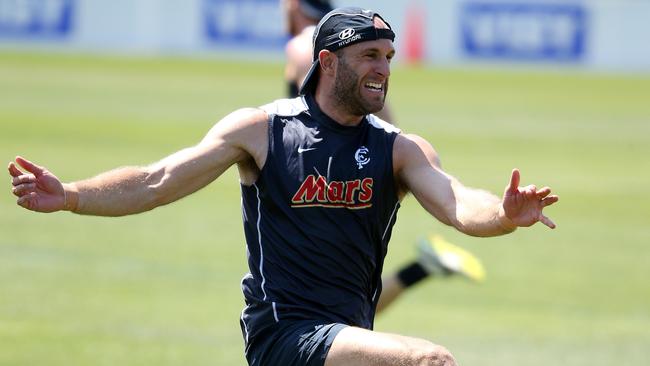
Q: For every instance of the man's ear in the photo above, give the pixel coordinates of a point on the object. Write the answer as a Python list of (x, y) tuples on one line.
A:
[(328, 62)]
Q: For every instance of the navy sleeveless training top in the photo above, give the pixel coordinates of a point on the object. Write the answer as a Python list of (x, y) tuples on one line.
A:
[(318, 219)]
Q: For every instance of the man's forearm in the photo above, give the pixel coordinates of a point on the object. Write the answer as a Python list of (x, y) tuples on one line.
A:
[(119, 192), (480, 213)]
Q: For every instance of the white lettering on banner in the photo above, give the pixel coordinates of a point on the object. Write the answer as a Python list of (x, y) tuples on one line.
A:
[(227, 19), (260, 26), (14, 13), (524, 30), (528, 32), (51, 12), (35, 17), (564, 29), (244, 22)]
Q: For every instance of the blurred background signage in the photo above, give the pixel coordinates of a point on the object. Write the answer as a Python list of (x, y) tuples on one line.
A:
[(36, 18), (598, 35), (244, 23), (524, 30)]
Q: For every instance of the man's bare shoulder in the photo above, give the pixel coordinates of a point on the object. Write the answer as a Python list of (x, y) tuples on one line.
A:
[(410, 148), (249, 116), (239, 126), (242, 133)]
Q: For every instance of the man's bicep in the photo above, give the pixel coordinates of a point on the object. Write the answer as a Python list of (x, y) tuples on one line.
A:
[(231, 140), (241, 135), (433, 190), (420, 174)]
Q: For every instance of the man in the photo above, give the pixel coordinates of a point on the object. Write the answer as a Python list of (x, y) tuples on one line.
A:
[(436, 257), (301, 18), (322, 180)]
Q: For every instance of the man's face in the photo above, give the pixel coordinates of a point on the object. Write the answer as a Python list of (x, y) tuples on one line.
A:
[(361, 82)]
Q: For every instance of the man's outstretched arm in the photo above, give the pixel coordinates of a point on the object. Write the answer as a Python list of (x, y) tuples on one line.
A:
[(472, 211), (131, 190)]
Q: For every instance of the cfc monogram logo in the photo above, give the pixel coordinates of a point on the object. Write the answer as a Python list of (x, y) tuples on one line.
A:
[(361, 156)]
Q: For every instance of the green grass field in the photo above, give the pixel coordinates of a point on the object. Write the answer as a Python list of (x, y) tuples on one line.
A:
[(162, 288)]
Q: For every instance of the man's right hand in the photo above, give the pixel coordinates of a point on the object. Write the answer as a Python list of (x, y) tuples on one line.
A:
[(37, 189)]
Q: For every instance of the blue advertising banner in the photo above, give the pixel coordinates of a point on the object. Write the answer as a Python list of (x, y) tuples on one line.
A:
[(36, 18), (244, 23), (534, 31)]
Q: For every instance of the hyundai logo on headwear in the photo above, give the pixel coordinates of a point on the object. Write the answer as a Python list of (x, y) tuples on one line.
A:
[(346, 33)]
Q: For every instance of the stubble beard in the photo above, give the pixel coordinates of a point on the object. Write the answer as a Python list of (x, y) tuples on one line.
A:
[(347, 95)]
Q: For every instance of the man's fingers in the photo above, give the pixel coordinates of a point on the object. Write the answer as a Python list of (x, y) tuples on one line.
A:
[(23, 179), (530, 190), (27, 201), (550, 200), (29, 166), (13, 170), (543, 192), (514, 181), (23, 189), (546, 221)]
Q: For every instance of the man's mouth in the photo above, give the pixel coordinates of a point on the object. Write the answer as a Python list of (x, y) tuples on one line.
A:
[(375, 87)]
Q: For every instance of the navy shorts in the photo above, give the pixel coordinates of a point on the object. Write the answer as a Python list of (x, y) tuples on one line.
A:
[(293, 343)]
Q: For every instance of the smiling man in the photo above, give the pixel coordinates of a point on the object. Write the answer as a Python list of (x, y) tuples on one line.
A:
[(353, 53), (436, 258), (322, 179)]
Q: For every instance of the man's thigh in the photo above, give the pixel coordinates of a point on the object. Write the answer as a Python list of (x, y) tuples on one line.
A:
[(359, 347)]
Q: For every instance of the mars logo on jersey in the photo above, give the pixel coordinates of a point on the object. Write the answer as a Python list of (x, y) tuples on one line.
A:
[(316, 191)]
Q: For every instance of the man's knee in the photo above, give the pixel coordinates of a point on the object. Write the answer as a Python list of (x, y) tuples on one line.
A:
[(433, 355)]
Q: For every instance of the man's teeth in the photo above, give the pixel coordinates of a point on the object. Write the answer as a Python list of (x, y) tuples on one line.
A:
[(375, 86)]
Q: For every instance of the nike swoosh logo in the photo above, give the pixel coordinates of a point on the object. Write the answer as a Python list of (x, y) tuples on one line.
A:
[(301, 150)]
